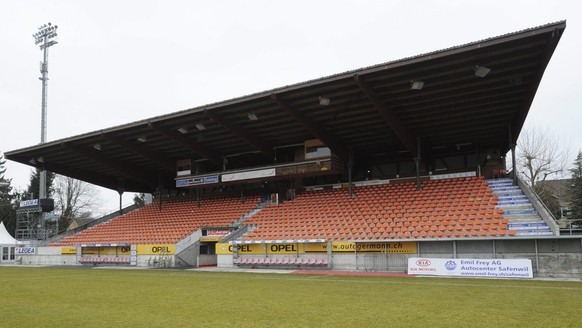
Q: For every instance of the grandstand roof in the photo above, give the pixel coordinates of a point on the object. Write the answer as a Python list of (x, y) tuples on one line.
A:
[(372, 110)]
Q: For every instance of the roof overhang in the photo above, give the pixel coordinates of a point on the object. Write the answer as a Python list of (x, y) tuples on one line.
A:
[(371, 111)]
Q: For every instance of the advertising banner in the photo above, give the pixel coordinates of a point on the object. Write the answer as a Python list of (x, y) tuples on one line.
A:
[(285, 248), (28, 203), (491, 268), (244, 249), (248, 175), (166, 249), (197, 181), (68, 250), (393, 248), (25, 250)]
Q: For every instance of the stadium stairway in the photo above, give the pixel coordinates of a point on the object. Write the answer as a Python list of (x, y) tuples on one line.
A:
[(518, 209)]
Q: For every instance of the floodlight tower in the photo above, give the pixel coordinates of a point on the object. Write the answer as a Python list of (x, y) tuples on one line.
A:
[(44, 38)]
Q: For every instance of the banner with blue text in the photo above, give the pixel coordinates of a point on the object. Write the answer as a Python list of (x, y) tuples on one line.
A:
[(491, 268)]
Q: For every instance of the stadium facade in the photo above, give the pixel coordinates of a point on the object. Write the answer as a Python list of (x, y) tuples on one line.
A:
[(361, 170)]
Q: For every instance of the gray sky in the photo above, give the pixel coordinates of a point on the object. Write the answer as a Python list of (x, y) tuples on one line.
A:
[(121, 61)]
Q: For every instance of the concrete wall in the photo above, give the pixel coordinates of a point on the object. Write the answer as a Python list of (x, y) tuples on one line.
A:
[(551, 257), (47, 256), (224, 261), (559, 257), (207, 260)]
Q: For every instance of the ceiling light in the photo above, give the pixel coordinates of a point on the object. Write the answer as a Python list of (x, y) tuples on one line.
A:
[(200, 127), (142, 139), (481, 71), (97, 146), (324, 101), (253, 116), (32, 161), (184, 130), (416, 85), (40, 159)]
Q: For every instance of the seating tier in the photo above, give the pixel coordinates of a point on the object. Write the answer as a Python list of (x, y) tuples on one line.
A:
[(176, 220), (451, 208)]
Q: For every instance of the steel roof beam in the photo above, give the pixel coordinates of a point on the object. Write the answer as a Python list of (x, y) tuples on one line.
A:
[(131, 172), (314, 128), (407, 138), (164, 163), (248, 137), (106, 182), (195, 147)]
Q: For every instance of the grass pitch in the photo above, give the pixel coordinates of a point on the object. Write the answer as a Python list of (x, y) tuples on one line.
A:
[(71, 297)]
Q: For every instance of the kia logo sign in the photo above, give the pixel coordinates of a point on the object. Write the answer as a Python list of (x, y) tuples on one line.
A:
[(423, 262)]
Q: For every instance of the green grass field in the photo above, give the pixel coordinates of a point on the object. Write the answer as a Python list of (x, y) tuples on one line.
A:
[(81, 297)]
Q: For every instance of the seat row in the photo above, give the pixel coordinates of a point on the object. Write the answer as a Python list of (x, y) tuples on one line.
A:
[(280, 261), (176, 220), (105, 260), (332, 214)]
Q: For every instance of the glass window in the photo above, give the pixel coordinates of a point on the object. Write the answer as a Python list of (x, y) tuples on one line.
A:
[(12, 251), (4, 253)]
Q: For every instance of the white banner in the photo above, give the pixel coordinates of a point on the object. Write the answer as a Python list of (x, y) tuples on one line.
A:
[(29, 203), (248, 175), (491, 268), (25, 250)]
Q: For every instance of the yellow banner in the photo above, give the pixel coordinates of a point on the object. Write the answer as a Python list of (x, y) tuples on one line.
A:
[(90, 250), (285, 248), (315, 248), (210, 238), (337, 247), (112, 250), (245, 249), (68, 250), (164, 249), (392, 248)]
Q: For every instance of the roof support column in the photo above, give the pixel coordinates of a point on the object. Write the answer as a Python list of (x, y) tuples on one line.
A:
[(120, 191), (417, 162), (350, 165), (512, 145)]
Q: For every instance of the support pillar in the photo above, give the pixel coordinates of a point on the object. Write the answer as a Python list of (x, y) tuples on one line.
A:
[(513, 165), (120, 191), (417, 162), (350, 165)]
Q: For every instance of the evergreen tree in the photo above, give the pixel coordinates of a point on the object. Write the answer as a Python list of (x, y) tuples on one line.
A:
[(34, 185), (576, 187), (7, 207), (139, 199)]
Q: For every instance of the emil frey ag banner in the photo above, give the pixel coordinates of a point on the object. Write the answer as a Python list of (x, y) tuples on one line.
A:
[(492, 268)]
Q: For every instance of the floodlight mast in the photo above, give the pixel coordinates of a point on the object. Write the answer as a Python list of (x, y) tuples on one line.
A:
[(45, 39)]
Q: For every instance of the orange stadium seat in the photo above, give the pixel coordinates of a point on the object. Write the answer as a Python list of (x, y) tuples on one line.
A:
[(176, 220), (452, 208)]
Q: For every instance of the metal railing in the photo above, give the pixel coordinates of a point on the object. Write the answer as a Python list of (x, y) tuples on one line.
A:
[(540, 207)]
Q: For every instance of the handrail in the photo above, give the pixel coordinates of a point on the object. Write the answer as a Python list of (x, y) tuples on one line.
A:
[(540, 206)]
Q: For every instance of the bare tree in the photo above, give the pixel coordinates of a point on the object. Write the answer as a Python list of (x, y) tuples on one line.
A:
[(75, 199), (540, 155)]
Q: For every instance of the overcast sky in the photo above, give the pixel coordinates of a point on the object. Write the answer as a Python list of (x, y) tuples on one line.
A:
[(121, 61)]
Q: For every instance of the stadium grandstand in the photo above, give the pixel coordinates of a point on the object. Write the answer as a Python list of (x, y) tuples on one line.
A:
[(361, 170)]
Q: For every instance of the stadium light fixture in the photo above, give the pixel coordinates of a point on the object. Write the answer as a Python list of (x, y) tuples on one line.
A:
[(44, 38), (324, 101), (200, 127), (481, 71), (416, 85), (252, 116)]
